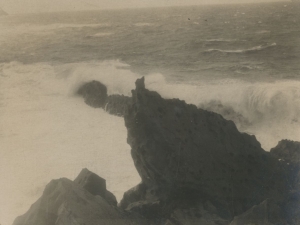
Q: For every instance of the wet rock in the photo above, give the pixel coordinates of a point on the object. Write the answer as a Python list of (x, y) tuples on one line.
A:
[(91, 182), (117, 104), (266, 213), (134, 194), (287, 150), (95, 185), (288, 154), (67, 202), (195, 216), (94, 93), (291, 208), (184, 154)]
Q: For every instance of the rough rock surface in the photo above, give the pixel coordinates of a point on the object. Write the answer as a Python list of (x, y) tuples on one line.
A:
[(266, 213), (288, 153), (95, 185), (65, 202), (195, 216), (117, 104), (187, 155)]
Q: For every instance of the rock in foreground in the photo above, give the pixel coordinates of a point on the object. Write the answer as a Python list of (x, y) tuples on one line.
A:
[(65, 202), (187, 155)]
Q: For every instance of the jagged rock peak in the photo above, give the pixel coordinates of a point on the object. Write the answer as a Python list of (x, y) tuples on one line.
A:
[(140, 83), (91, 182)]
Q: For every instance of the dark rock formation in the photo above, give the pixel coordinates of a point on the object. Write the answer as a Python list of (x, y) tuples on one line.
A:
[(91, 182), (117, 104), (288, 154), (95, 185), (266, 213), (187, 155), (195, 216), (227, 112), (288, 151), (95, 95), (65, 202)]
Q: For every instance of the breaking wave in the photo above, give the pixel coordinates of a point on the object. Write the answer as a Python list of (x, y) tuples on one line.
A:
[(256, 48), (220, 40)]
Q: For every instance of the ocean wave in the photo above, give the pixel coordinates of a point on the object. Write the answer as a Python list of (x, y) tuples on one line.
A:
[(220, 40), (259, 106), (256, 48)]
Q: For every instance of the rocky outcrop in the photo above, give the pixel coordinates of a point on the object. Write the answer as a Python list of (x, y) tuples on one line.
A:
[(117, 104), (95, 185), (95, 95), (287, 152), (79, 202), (187, 155)]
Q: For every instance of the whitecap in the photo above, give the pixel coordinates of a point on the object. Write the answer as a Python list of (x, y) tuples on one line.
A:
[(256, 48)]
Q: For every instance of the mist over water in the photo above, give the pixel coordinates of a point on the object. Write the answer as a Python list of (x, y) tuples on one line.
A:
[(228, 64)]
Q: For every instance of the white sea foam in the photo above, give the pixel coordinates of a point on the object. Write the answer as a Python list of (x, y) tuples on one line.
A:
[(220, 40), (101, 34), (46, 132), (256, 48)]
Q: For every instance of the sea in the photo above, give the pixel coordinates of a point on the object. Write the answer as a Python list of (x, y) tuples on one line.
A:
[(242, 61)]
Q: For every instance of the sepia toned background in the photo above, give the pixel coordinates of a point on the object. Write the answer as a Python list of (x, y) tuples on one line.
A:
[(239, 60)]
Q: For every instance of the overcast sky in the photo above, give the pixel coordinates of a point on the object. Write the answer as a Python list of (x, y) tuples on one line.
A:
[(27, 6)]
